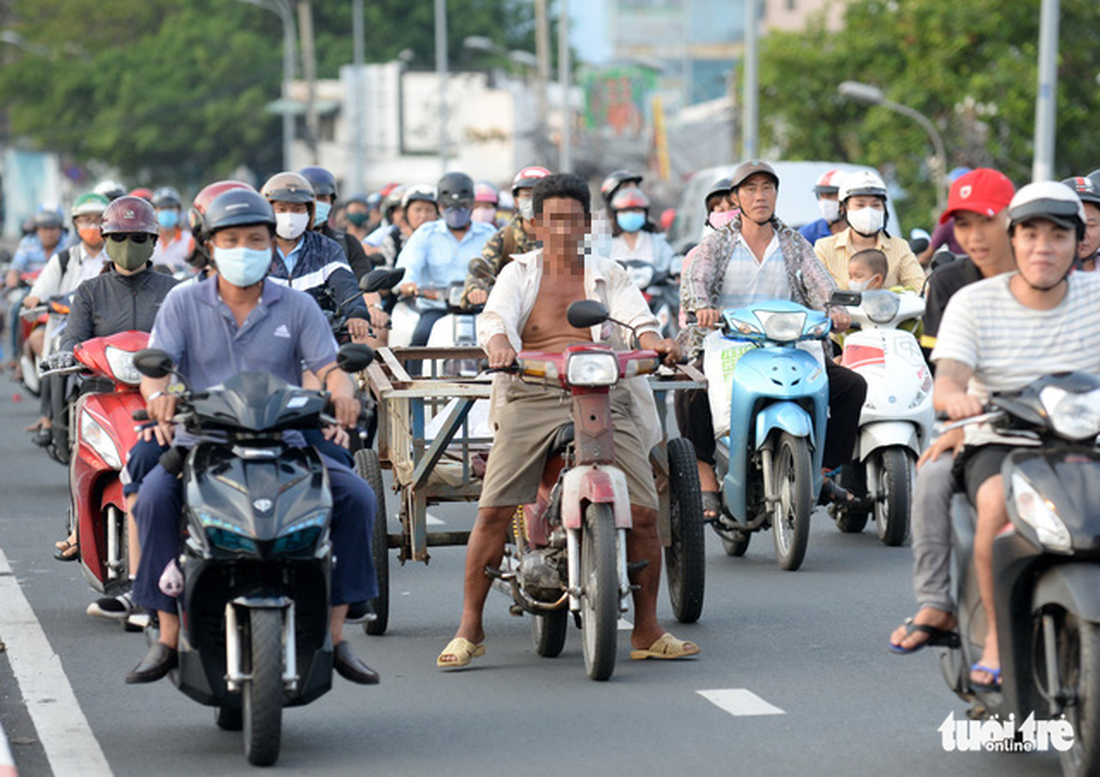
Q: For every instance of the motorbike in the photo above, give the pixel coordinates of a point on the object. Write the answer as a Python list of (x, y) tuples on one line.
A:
[(457, 328), (31, 366), (257, 557), (661, 292), (568, 551), (105, 433), (895, 425), (1046, 571), (769, 452)]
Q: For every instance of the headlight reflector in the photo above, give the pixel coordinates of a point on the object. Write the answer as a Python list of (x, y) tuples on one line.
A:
[(592, 369), (122, 365), (99, 441), (1040, 515)]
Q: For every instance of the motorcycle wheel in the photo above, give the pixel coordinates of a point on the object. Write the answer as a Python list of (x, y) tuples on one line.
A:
[(895, 489), (548, 630), (1078, 661), (599, 592), (793, 482), (228, 718), (734, 542), (369, 468), (262, 693), (686, 557), (851, 520)]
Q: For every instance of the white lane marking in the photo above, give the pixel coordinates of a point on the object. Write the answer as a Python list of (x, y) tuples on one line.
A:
[(431, 520), (740, 702), (7, 762), (62, 728)]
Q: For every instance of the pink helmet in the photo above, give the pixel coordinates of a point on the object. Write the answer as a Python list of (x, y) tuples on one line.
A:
[(130, 214), (486, 192)]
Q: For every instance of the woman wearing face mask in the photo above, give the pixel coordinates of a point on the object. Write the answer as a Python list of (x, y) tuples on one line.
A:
[(633, 235), (863, 207), (307, 260), (174, 244)]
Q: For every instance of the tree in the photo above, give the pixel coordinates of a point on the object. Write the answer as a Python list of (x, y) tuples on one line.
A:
[(968, 66)]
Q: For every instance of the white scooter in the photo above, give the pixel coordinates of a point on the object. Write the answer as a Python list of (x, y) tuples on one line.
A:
[(455, 329), (896, 423)]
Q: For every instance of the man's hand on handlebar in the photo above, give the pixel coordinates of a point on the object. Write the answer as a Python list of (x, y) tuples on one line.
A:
[(501, 354), (707, 318), (161, 409), (842, 321), (408, 289), (346, 410), (30, 301), (477, 296), (963, 405), (668, 348), (358, 328)]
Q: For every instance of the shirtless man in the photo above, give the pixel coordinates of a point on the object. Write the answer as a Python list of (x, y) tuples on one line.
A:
[(527, 311)]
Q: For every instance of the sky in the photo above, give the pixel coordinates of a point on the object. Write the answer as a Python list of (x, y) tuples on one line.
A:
[(588, 20)]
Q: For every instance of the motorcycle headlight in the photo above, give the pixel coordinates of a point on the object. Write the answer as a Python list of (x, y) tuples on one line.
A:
[(880, 306), (592, 369), (1039, 514), (225, 536), (302, 535), (782, 327), (122, 365), (640, 275), (99, 441), (1073, 416)]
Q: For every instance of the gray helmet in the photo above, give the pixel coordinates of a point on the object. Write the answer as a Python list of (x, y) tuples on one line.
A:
[(48, 218), (455, 190), (166, 197), (237, 208)]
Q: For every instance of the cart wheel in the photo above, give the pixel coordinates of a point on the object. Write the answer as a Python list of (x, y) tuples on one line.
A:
[(686, 557), (368, 467)]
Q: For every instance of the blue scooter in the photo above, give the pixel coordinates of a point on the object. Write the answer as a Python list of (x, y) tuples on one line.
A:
[(769, 460)]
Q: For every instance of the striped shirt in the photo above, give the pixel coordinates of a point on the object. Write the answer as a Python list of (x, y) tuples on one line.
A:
[(1010, 345), (749, 280), (902, 267)]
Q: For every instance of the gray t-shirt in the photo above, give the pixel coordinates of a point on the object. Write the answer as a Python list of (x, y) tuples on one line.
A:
[(1010, 345)]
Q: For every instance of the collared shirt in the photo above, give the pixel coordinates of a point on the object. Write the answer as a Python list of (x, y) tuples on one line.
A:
[(650, 247), (513, 298), (903, 269), (285, 330), (434, 258), (174, 250), (81, 266), (375, 238), (749, 280), (31, 256), (291, 259), (815, 230)]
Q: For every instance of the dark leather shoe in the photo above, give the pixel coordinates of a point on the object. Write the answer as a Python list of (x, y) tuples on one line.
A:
[(160, 660), (350, 667)]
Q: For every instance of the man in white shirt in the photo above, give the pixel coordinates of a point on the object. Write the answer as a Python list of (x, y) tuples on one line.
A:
[(527, 310)]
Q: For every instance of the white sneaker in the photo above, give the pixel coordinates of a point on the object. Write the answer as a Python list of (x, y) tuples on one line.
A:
[(113, 607)]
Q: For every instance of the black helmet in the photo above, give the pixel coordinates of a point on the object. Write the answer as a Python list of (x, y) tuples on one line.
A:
[(166, 197), (719, 188), (392, 202), (48, 218), (1087, 187), (322, 181), (237, 208), (614, 181), (455, 190)]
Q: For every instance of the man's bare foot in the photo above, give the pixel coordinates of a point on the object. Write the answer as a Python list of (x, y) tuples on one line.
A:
[(906, 638)]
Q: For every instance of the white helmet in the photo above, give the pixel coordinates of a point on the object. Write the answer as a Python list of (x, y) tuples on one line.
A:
[(1050, 201), (861, 183)]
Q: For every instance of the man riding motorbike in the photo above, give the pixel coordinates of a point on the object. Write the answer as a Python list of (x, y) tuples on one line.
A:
[(324, 188), (826, 190), (238, 320), (1088, 189), (634, 236), (526, 310), (175, 244), (31, 255)]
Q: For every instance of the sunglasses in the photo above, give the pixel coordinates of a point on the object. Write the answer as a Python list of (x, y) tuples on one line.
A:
[(137, 237)]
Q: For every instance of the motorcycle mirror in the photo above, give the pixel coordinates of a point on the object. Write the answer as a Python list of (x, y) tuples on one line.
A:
[(919, 245), (354, 357), (587, 312), (153, 363), (845, 299), (380, 279)]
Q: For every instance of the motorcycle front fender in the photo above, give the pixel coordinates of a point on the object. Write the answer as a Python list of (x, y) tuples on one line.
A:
[(887, 434), (1074, 586), (594, 485), (785, 416)]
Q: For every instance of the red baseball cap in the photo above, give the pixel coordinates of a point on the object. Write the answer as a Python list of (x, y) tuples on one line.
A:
[(983, 191)]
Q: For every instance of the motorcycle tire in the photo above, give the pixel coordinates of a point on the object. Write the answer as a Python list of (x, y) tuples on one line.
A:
[(370, 469), (686, 556), (895, 490), (734, 542), (228, 718), (793, 481), (548, 631), (1078, 646), (262, 693), (599, 592), (851, 520)]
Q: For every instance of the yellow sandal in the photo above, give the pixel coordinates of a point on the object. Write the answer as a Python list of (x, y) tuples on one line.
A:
[(462, 651)]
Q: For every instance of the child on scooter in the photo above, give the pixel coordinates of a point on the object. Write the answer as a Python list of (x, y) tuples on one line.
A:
[(867, 270)]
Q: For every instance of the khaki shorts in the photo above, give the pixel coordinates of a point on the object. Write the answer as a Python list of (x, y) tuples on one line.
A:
[(524, 427)]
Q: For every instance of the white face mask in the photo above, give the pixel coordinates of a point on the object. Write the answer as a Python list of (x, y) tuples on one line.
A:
[(858, 285), (290, 226), (830, 210), (866, 221)]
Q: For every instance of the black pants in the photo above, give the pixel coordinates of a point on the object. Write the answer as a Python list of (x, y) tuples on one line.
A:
[(847, 391)]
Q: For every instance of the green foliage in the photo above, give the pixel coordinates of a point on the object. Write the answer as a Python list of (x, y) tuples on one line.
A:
[(968, 66)]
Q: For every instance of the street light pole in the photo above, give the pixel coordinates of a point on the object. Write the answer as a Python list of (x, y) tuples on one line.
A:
[(873, 95), (565, 161), (285, 13), (1043, 164), (441, 71), (357, 86), (749, 111)]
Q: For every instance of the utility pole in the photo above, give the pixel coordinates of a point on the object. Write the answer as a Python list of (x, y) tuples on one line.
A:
[(542, 55), (749, 116), (1042, 168), (565, 162), (309, 69), (357, 85), (441, 71)]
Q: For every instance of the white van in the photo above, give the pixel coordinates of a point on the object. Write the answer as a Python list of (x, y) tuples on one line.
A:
[(797, 204)]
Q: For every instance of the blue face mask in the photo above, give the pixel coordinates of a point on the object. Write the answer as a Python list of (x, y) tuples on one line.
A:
[(168, 218), (242, 266), (456, 218), (631, 221), (321, 216)]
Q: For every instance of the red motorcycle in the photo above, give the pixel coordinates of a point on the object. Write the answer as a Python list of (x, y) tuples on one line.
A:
[(104, 432)]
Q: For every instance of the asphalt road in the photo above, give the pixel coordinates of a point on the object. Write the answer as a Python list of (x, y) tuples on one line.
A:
[(807, 646)]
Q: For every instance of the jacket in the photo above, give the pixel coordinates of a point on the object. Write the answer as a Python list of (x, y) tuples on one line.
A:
[(322, 271), (112, 302)]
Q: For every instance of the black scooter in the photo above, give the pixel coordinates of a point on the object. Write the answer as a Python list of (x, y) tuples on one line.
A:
[(257, 558), (1046, 567)]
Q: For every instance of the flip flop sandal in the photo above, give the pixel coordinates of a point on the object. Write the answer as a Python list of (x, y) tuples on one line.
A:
[(463, 650), (666, 647), (712, 504), (67, 551), (992, 687), (936, 638), (833, 493)]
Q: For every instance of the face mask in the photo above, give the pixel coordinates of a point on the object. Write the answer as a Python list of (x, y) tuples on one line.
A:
[(858, 285), (321, 216), (168, 218), (357, 218), (129, 255), (830, 210), (484, 215), (290, 226), (719, 219), (526, 208), (91, 235), (866, 221), (243, 266), (456, 218), (630, 222)]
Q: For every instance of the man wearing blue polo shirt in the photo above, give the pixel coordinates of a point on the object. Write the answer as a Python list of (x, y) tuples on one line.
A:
[(439, 252), (239, 320)]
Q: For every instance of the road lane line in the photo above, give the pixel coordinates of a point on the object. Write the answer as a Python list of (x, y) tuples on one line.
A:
[(740, 702), (7, 762), (66, 737)]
